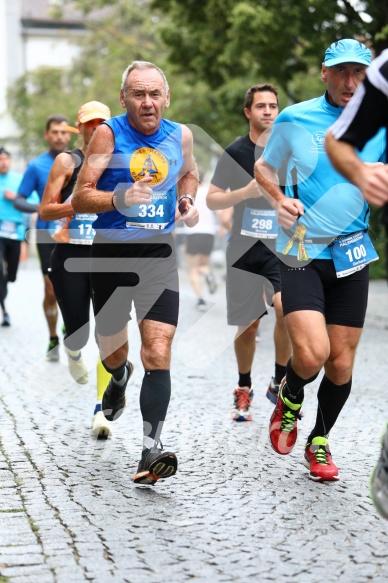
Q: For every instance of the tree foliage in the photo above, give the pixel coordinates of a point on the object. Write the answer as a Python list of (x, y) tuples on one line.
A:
[(125, 34), (225, 39), (211, 51)]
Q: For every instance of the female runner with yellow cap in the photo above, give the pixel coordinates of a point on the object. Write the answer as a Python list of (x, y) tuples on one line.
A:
[(73, 241)]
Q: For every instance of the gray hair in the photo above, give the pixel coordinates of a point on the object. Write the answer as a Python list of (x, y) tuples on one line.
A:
[(141, 65)]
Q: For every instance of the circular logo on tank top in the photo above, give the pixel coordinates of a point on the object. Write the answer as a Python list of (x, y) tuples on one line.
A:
[(149, 162)]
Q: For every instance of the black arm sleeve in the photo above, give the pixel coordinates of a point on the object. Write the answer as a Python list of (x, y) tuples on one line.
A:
[(22, 205), (363, 119)]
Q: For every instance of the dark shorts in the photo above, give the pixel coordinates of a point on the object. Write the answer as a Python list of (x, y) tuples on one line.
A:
[(142, 274), (251, 273), (10, 254), (342, 300), (199, 243), (44, 254), (70, 276)]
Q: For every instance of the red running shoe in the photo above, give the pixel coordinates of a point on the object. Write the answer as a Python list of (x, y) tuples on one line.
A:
[(283, 426), (242, 402), (318, 461)]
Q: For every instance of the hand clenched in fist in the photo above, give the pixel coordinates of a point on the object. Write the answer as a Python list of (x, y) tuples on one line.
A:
[(189, 214)]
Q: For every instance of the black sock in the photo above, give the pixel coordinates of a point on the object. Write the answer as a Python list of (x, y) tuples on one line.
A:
[(331, 399), (3, 293), (294, 389), (244, 379), (154, 399), (280, 373), (119, 374)]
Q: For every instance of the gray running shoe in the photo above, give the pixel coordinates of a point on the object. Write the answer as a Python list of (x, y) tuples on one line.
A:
[(6, 320), (379, 480), (211, 282), (53, 351), (272, 391), (154, 465)]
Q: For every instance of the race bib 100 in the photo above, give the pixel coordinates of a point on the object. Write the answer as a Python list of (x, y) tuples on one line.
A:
[(352, 252)]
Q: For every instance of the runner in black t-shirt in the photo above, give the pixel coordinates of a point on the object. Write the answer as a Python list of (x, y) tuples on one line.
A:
[(252, 267)]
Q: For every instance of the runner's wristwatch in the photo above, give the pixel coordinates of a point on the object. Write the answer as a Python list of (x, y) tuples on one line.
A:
[(189, 196)]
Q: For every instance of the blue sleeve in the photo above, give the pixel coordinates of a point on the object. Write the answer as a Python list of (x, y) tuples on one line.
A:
[(383, 157), (28, 183), (278, 147)]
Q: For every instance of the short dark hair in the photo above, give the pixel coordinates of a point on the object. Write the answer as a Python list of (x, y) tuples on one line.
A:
[(55, 118), (4, 151), (255, 89)]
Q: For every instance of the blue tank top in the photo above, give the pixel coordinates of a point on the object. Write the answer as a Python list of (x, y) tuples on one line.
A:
[(136, 155), (333, 206)]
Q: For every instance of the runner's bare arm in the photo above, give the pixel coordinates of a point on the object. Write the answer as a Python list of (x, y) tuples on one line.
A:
[(188, 175), (50, 207), (219, 199), (267, 179), (372, 180), (188, 181), (86, 197)]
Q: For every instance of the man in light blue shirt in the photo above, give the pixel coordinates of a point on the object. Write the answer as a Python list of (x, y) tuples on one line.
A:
[(367, 113), (12, 229), (324, 249), (35, 177)]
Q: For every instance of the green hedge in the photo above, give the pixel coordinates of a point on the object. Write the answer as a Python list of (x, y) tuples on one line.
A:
[(377, 268)]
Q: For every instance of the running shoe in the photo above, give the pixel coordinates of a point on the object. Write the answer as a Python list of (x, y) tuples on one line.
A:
[(272, 391), (77, 368), (318, 460), (6, 320), (100, 426), (154, 465), (211, 282), (201, 305), (242, 402), (113, 400), (283, 426), (379, 480), (53, 350)]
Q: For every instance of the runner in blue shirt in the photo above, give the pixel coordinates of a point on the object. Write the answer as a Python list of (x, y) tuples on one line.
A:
[(12, 229), (135, 167), (366, 114), (324, 250), (34, 179)]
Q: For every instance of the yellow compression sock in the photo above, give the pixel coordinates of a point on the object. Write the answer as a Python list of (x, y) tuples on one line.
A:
[(103, 378)]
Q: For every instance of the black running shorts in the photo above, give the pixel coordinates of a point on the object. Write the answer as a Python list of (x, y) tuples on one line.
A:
[(252, 273), (70, 276), (199, 243), (315, 286), (44, 253), (142, 274), (9, 255)]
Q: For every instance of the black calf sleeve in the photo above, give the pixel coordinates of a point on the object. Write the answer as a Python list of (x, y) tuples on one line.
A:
[(154, 399)]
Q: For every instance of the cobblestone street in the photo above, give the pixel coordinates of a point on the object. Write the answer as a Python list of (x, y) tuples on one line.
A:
[(235, 511)]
